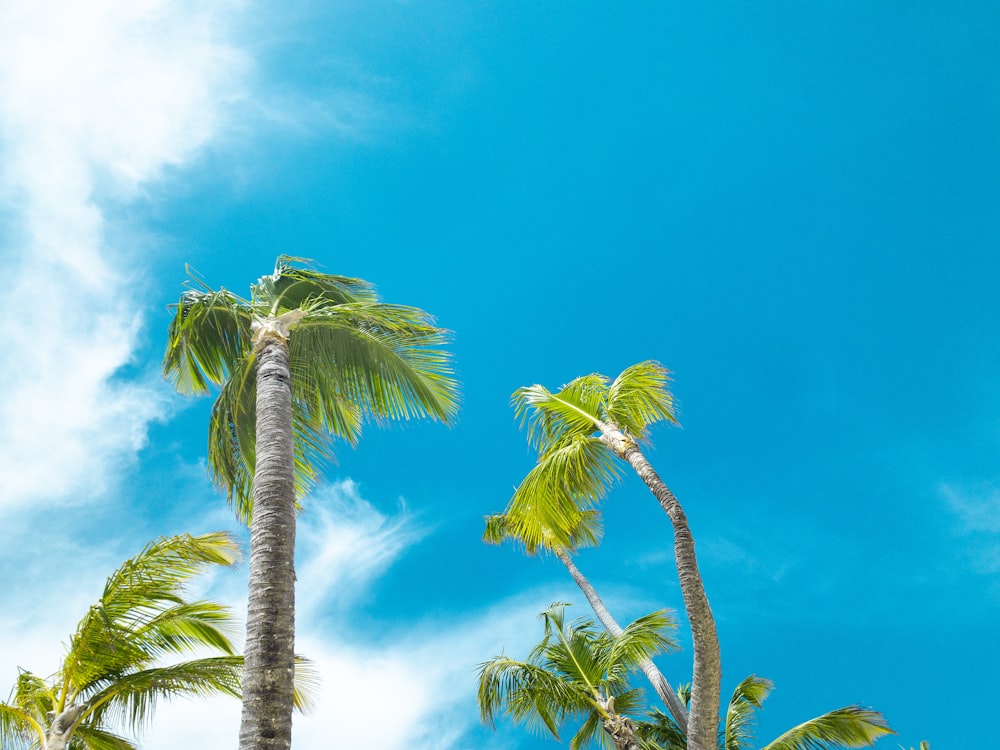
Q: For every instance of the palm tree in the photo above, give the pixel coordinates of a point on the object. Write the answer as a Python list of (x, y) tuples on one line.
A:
[(848, 727), (112, 673), (586, 533), (576, 671), (579, 432), (351, 358)]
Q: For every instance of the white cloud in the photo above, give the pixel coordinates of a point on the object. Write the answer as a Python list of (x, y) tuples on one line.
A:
[(977, 509), (96, 99), (413, 690), (977, 512)]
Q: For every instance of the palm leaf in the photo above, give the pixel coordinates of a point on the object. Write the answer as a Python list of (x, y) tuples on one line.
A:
[(748, 696), (643, 639), (95, 738), (18, 729), (208, 336), (131, 698), (852, 727), (640, 397)]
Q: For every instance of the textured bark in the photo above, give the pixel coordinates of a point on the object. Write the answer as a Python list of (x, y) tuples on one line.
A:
[(61, 727), (270, 645), (667, 694), (619, 728), (706, 680)]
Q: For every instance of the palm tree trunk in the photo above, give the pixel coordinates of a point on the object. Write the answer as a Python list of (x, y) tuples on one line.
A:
[(619, 728), (667, 694), (270, 649), (60, 730), (706, 681)]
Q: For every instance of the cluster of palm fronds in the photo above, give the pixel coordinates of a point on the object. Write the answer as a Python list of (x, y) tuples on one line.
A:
[(583, 434)]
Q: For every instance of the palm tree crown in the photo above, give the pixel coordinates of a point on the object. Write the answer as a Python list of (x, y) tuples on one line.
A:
[(581, 432), (353, 358), (112, 674), (576, 671), (848, 727)]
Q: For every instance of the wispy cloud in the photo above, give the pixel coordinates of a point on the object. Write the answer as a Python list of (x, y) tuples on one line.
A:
[(414, 689), (96, 99), (976, 510)]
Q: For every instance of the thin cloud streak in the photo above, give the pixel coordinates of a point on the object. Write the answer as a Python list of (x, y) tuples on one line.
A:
[(96, 100), (413, 690)]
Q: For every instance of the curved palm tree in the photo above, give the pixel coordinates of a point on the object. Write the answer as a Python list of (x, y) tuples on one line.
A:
[(848, 727), (576, 671), (110, 675), (308, 356), (579, 432), (585, 534)]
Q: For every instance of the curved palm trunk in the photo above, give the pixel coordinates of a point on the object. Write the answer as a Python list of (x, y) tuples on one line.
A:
[(60, 730), (706, 681), (667, 694), (269, 650)]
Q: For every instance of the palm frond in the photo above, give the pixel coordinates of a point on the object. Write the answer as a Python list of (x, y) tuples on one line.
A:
[(660, 732), (296, 285), (119, 632), (307, 683), (95, 738), (207, 338), (850, 727), (643, 639), (552, 417), (32, 695), (18, 729), (567, 481), (528, 692), (748, 696), (131, 698), (385, 358), (639, 397)]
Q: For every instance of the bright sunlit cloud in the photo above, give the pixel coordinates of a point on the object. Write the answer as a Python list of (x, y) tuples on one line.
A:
[(95, 100), (414, 689)]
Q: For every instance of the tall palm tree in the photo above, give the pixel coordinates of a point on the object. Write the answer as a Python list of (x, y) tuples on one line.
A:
[(586, 533), (848, 727), (576, 671), (308, 356), (580, 431), (112, 674)]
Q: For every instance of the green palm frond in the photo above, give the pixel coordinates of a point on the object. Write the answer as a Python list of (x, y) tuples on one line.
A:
[(294, 285), (640, 397), (643, 639), (131, 698), (529, 693), (550, 417), (385, 358), (142, 615), (849, 727), (18, 729), (32, 694), (500, 528), (90, 737), (207, 338), (571, 478), (748, 696), (660, 732)]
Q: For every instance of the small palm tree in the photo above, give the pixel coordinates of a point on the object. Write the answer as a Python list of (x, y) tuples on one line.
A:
[(580, 432), (848, 727), (112, 675), (585, 534), (576, 671), (308, 356)]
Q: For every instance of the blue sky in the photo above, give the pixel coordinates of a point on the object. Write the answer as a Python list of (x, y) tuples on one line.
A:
[(792, 206)]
